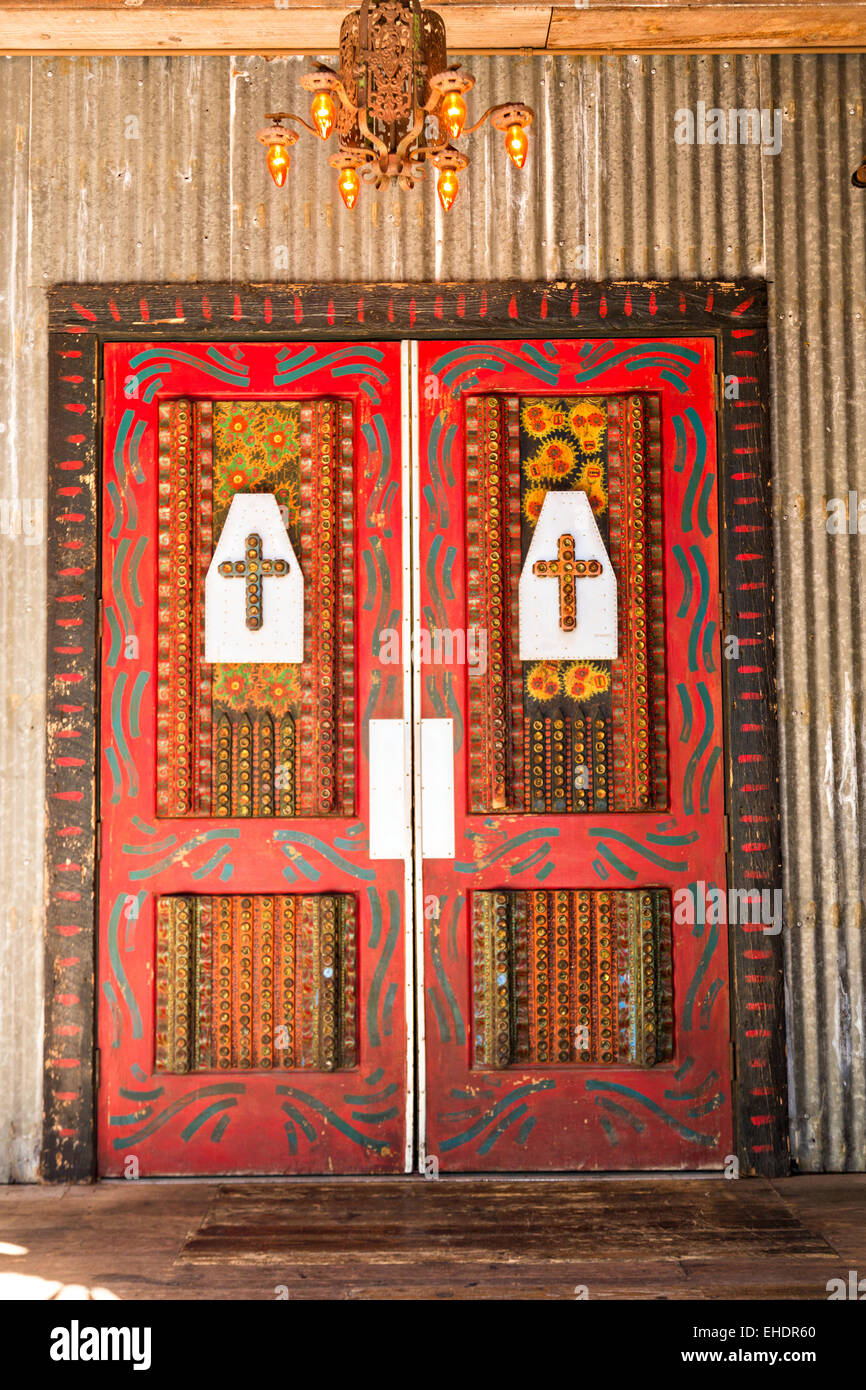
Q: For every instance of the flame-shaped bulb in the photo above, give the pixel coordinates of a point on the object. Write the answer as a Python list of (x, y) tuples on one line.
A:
[(447, 186), (278, 162), (324, 112), (454, 113), (350, 186), (517, 144)]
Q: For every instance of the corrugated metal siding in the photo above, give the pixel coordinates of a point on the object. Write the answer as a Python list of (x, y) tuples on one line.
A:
[(147, 169)]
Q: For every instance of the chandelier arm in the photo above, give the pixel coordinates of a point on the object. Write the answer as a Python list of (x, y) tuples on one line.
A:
[(290, 116), (367, 132), (345, 99), (469, 129), (410, 135)]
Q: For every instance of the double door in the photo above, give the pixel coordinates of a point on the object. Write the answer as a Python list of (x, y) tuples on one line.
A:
[(411, 776)]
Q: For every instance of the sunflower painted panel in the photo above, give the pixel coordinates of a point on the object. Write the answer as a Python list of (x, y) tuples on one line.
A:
[(256, 739), (563, 736)]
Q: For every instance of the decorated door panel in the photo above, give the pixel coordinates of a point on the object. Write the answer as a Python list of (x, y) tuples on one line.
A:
[(252, 953), (574, 998)]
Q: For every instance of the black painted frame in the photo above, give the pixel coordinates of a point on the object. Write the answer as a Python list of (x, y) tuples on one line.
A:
[(84, 317)]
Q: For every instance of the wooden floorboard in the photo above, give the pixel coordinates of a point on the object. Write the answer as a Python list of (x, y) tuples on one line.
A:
[(449, 1240)]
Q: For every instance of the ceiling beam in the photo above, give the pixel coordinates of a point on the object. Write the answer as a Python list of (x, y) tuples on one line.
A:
[(476, 26)]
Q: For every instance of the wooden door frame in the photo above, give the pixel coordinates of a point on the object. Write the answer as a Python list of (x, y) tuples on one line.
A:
[(82, 318)]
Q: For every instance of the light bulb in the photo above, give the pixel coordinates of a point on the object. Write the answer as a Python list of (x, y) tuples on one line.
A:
[(350, 186), (278, 163), (454, 113), (324, 110), (447, 186), (517, 144)]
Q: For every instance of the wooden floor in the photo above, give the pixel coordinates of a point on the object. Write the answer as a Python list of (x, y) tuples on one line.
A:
[(645, 1238)]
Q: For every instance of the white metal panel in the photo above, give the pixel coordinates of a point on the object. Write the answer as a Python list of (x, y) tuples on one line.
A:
[(437, 788), (390, 797)]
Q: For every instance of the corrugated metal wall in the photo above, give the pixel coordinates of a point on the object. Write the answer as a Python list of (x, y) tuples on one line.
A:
[(126, 169)]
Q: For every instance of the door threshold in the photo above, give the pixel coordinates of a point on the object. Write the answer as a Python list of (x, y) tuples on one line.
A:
[(699, 1175)]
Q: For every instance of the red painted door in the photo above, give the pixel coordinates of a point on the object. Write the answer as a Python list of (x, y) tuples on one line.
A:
[(252, 963), (575, 1011)]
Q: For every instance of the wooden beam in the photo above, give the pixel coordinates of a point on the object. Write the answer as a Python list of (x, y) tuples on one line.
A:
[(244, 28), (736, 27), (474, 26)]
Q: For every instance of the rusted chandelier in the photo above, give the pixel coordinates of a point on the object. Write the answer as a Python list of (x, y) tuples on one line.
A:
[(395, 104)]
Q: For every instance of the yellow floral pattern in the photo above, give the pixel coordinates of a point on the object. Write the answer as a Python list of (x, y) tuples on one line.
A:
[(256, 448), (570, 434), (564, 446)]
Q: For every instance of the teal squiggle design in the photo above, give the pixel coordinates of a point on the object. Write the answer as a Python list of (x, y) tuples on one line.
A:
[(681, 444), (692, 1135), (447, 567), (491, 358), (677, 865), (513, 843), (434, 463), (688, 581), (116, 777), (333, 1118), (454, 707), (704, 505), (668, 354), (287, 838), (157, 360), (213, 1109), (699, 750), (432, 580), (204, 838), (696, 1091), (686, 706), (467, 1135), (300, 1119), (703, 605), (116, 508), (706, 780), (212, 863), (222, 1089), (119, 735), (117, 966), (694, 419), (117, 583), (444, 982), (135, 703), (116, 636), (384, 960), (385, 592), (132, 572)]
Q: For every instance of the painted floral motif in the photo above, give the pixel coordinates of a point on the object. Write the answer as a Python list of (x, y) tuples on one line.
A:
[(554, 461), (541, 417), (588, 420), (571, 434), (533, 500), (543, 680), (590, 480), (581, 680), (272, 688), (257, 449)]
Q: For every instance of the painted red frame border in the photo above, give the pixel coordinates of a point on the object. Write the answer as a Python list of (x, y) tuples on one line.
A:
[(677, 1114)]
